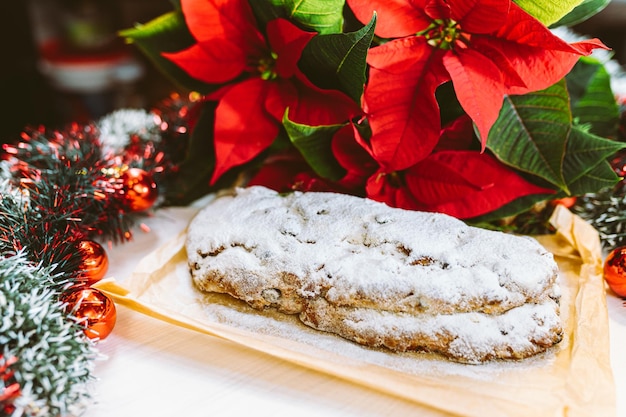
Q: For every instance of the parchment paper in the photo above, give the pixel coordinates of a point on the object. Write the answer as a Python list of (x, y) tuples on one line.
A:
[(572, 379)]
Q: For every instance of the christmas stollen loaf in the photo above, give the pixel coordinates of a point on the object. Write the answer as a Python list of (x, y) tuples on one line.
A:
[(380, 276)]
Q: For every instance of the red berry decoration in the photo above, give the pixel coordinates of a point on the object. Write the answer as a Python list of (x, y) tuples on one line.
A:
[(94, 309), (139, 188), (95, 262), (9, 389), (615, 271)]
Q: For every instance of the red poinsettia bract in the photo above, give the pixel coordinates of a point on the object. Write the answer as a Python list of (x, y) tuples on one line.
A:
[(487, 48), (260, 76), (463, 184), (454, 179)]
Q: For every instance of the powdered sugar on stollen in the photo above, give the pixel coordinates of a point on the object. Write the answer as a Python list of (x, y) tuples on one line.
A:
[(285, 251)]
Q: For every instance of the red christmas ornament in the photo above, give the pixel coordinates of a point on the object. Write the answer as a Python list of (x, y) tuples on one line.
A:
[(565, 201), (615, 271), (94, 309), (140, 190), (9, 391), (95, 262)]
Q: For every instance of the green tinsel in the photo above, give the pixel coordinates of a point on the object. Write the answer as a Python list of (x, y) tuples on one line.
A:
[(64, 172), (54, 357), (44, 228), (57, 189)]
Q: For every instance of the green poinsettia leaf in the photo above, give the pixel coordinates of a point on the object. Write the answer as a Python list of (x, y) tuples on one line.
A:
[(592, 100), (585, 169), (191, 181), (585, 160), (534, 141), (514, 208), (548, 11), (582, 12), (322, 16), (449, 107), (314, 143), (338, 61), (597, 178), (166, 33)]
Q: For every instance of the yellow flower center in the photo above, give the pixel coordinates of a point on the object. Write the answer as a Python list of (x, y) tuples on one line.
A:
[(444, 34), (267, 67)]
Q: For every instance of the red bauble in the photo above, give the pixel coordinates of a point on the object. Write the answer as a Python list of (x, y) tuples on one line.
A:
[(615, 271), (94, 309), (95, 262), (565, 201), (140, 190), (9, 392)]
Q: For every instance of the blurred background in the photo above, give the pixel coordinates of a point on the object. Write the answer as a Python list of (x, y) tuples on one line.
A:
[(61, 60)]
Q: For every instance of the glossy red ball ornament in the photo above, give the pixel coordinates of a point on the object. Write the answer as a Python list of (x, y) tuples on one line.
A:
[(565, 201), (94, 264), (94, 309), (140, 190), (615, 270)]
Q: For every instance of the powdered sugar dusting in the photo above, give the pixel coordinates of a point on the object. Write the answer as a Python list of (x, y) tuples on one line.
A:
[(355, 256)]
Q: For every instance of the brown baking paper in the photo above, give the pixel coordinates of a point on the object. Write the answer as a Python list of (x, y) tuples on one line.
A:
[(572, 379)]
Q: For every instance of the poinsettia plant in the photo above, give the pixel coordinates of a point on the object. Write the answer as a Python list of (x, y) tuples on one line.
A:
[(475, 108)]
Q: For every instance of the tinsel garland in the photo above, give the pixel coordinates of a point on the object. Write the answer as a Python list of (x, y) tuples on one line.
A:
[(57, 189)]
